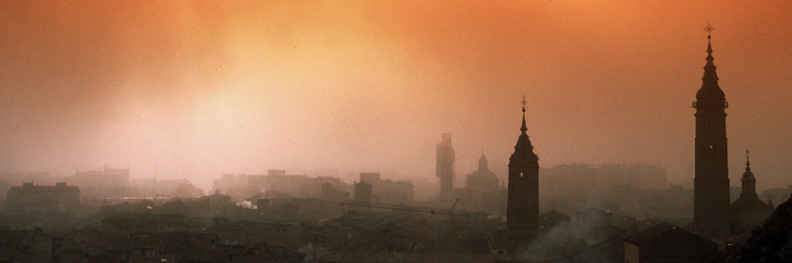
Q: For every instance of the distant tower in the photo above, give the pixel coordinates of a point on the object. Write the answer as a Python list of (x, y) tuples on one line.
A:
[(482, 180), (748, 180), (445, 167), (711, 183), (522, 212), (483, 163), (748, 212)]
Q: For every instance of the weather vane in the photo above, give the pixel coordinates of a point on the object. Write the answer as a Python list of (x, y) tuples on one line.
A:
[(709, 28), (523, 103), (746, 154)]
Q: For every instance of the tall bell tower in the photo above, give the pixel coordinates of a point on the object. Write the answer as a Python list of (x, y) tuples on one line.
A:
[(711, 182), (522, 212)]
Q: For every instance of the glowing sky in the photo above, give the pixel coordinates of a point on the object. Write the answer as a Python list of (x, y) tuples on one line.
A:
[(197, 88)]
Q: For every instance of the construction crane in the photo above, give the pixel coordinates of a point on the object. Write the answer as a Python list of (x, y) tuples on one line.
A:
[(432, 211)]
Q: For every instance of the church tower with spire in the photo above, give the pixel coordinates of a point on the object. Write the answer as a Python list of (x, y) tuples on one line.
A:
[(748, 180), (522, 211), (748, 212), (711, 182)]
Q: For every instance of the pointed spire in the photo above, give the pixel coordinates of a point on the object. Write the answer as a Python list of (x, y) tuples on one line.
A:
[(709, 30), (748, 175), (710, 91), (709, 69), (747, 160), (710, 58), (523, 128), (523, 149), (709, 47)]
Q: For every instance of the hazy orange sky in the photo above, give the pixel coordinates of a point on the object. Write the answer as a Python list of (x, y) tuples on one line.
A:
[(197, 88)]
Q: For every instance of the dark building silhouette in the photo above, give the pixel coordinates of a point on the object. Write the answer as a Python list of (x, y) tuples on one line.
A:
[(241, 186), (668, 243), (278, 183), (711, 183), (629, 189), (329, 193), (362, 192), (387, 191), (445, 167), (179, 188), (30, 198), (771, 242), (748, 211), (483, 191), (483, 180), (105, 183), (522, 211)]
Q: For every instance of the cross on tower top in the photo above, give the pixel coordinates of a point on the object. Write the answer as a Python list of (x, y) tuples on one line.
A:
[(747, 160), (523, 103), (709, 29)]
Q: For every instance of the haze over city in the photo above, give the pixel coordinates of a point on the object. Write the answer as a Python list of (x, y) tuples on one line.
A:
[(195, 89)]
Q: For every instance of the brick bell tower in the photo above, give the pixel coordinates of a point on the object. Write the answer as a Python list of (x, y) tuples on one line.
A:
[(522, 212), (711, 182)]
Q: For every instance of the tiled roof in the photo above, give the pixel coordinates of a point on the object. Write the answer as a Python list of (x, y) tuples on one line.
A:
[(650, 233)]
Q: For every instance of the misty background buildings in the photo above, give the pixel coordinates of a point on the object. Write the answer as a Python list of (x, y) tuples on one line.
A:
[(307, 132), (196, 90), (597, 213)]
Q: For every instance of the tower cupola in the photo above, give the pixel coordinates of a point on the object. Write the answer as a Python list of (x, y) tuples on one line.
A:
[(483, 163), (748, 180)]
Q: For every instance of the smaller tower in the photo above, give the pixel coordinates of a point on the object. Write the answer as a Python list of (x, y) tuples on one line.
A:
[(483, 164), (483, 180), (748, 180), (748, 212)]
